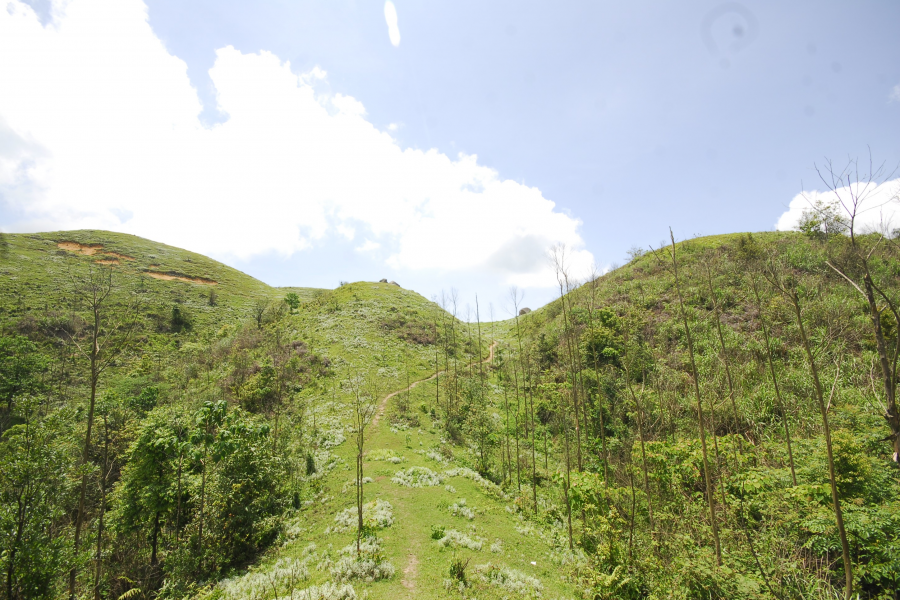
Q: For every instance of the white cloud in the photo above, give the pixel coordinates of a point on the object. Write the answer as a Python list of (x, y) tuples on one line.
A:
[(103, 132), (895, 93), (390, 15), (880, 207), (368, 246)]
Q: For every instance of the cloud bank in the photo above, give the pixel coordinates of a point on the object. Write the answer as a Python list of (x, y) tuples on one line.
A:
[(99, 128)]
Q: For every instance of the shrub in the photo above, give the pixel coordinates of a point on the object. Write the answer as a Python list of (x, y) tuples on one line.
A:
[(286, 573), (377, 514), (437, 532), (436, 457), (385, 455), (179, 320), (369, 565), (488, 486), (510, 580), (458, 569), (456, 539), (459, 509), (327, 591), (416, 477)]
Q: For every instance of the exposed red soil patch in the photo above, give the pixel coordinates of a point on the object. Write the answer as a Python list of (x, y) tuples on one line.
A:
[(85, 249)]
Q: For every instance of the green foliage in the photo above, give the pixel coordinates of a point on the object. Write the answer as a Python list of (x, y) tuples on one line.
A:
[(152, 485), (21, 367), (179, 321), (219, 441), (602, 342), (457, 570), (822, 219), (292, 300), (34, 480), (145, 401)]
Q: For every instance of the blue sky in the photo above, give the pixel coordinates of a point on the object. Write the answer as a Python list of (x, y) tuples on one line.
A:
[(629, 117)]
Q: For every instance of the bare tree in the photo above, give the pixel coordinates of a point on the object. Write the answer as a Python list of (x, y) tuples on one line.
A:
[(364, 406), (855, 194), (560, 265), (638, 400), (592, 278), (711, 500), (516, 296), (765, 329), (788, 287), (110, 334)]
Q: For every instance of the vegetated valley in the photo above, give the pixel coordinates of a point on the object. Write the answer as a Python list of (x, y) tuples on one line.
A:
[(715, 419)]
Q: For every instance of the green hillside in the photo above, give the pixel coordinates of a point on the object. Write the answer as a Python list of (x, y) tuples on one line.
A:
[(567, 453)]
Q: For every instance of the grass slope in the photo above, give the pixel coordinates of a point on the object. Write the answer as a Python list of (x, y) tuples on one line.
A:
[(38, 270), (378, 331)]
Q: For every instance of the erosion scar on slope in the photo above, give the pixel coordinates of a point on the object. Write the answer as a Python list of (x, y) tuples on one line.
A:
[(384, 400), (86, 249), (91, 250)]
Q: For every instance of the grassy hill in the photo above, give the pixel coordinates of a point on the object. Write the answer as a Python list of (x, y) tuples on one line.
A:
[(38, 272), (557, 455)]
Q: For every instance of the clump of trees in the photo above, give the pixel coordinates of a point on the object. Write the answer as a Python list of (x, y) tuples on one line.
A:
[(711, 404), (717, 419), (143, 460)]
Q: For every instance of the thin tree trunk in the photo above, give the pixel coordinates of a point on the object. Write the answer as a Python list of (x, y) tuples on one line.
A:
[(602, 427), (178, 499), (715, 438), (437, 369), (838, 514), (605, 457), (202, 511), (568, 333), (568, 469), (518, 412), (781, 409), (633, 506), (154, 542), (533, 455), (79, 517), (734, 410), (99, 553), (892, 415), (709, 491), (507, 469), (639, 407)]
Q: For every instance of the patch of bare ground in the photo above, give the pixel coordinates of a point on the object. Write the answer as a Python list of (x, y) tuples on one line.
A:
[(410, 572), (180, 277), (110, 257), (77, 248)]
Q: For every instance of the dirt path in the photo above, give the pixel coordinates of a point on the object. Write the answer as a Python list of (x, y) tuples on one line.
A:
[(383, 405), (410, 572)]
